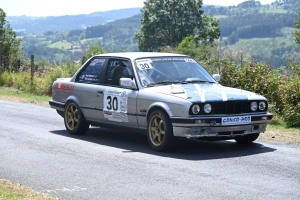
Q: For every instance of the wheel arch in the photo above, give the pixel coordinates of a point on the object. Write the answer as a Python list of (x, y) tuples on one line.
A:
[(72, 98), (159, 105), (76, 101)]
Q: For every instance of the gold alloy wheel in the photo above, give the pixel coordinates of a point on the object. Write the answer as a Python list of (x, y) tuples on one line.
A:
[(71, 116), (157, 130)]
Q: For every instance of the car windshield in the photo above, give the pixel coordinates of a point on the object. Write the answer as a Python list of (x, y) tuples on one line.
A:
[(169, 70)]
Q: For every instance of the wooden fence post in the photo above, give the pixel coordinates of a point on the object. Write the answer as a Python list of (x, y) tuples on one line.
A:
[(32, 67), (83, 60), (1, 57)]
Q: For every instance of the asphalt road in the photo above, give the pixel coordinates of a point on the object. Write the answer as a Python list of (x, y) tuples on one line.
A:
[(37, 151)]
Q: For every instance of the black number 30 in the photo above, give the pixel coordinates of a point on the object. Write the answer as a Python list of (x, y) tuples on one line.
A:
[(144, 66), (112, 103)]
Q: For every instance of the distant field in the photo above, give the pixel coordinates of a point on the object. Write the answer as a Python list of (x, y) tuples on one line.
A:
[(273, 10), (264, 46), (282, 11), (265, 9), (92, 40), (60, 45)]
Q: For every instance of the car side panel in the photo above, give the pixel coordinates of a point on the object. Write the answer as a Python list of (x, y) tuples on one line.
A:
[(86, 95)]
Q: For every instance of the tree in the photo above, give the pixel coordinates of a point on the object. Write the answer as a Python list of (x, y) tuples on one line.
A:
[(10, 42), (165, 23), (91, 51), (297, 32), (189, 46)]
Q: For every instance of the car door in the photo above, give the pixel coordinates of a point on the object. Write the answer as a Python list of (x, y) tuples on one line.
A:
[(118, 104), (86, 84)]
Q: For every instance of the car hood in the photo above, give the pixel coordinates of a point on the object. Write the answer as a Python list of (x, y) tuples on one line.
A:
[(206, 92)]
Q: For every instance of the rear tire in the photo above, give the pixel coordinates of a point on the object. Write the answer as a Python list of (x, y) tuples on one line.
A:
[(75, 122), (160, 131), (247, 139)]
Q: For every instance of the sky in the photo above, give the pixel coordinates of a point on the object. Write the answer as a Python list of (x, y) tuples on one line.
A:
[(75, 7)]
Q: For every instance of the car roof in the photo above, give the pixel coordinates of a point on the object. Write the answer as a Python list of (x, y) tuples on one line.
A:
[(135, 55)]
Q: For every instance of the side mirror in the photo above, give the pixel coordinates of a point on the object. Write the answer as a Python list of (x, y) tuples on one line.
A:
[(217, 77), (127, 83)]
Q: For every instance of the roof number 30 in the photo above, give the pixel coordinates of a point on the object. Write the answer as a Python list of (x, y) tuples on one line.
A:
[(144, 66)]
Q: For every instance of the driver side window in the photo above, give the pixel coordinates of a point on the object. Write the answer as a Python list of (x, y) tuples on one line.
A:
[(117, 69), (91, 73)]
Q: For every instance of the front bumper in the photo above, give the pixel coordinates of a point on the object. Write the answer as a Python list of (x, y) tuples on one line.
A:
[(211, 127)]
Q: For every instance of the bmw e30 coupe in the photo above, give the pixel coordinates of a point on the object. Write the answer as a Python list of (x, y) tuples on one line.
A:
[(166, 96)]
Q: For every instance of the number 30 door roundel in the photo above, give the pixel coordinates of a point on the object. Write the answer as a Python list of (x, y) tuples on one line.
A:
[(115, 105)]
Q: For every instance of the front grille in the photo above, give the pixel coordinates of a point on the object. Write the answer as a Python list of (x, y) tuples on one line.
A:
[(234, 107), (229, 107)]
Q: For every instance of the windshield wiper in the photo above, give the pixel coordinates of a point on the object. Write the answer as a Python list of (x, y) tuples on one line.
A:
[(195, 81), (166, 82)]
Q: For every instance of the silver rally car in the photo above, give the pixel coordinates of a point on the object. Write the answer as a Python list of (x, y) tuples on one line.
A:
[(166, 96)]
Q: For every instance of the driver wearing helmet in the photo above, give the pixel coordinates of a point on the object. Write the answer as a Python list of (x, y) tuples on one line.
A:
[(165, 71)]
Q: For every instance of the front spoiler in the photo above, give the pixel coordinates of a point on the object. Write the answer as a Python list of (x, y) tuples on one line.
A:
[(230, 132), (204, 128)]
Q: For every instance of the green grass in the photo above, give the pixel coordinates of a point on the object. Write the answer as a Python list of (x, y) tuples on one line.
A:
[(8, 195), (296, 131), (15, 191), (7, 93)]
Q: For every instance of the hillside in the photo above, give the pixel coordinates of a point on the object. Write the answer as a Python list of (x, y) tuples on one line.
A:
[(29, 25), (251, 29)]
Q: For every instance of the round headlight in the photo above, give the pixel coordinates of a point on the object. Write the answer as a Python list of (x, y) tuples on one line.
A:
[(253, 106), (207, 108), (262, 105), (196, 109)]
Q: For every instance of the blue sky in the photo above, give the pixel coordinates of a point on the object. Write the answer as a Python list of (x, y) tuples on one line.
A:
[(74, 7)]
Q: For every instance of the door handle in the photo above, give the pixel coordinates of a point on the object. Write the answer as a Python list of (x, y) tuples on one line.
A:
[(100, 92)]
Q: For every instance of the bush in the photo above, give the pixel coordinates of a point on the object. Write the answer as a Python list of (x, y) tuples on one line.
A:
[(290, 99), (253, 76)]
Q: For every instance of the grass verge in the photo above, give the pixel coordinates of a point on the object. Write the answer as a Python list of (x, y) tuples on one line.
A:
[(12, 94), (13, 191), (279, 133)]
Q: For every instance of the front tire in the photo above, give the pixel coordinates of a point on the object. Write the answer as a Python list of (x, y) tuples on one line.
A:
[(247, 139), (75, 122), (160, 131)]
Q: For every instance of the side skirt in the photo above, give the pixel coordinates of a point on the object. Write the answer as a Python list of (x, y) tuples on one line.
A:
[(118, 127)]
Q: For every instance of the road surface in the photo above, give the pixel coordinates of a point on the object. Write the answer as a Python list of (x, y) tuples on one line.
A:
[(37, 151)]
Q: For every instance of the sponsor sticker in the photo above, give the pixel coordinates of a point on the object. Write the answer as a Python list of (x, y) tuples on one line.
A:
[(64, 86), (235, 120), (115, 105)]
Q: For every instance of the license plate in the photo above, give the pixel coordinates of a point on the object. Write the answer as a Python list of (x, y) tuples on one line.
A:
[(236, 120)]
